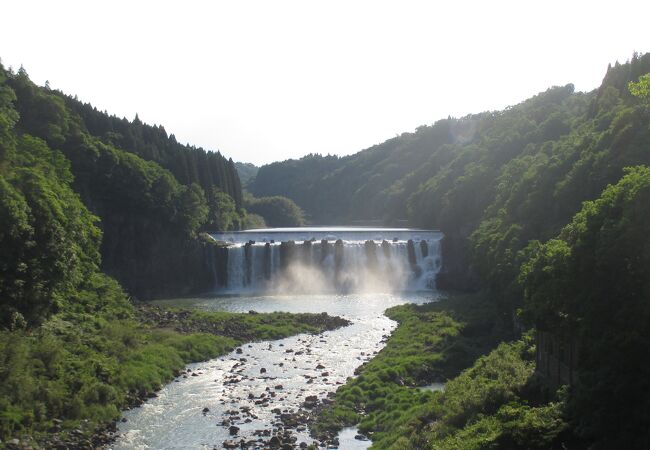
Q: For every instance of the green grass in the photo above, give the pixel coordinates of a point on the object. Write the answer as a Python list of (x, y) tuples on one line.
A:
[(491, 399), (433, 342)]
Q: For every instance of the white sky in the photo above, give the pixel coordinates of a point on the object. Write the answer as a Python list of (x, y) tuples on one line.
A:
[(270, 80)]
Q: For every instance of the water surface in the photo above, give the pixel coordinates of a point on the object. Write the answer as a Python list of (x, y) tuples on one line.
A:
[(246, 389)]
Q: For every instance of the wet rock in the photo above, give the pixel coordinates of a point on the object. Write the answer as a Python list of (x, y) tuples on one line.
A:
[(206, 410), (230, 444), (233, 430), (279, 386), (239, 351), (320, 367), (262, 370), (311, 402)]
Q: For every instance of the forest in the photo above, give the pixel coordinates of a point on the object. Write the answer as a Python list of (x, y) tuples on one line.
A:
[(544, 208)]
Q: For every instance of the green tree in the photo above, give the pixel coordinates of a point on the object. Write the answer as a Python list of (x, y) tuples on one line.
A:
[(49, 240), (277, 211), (593, 281), (223, 215), (641, 89)]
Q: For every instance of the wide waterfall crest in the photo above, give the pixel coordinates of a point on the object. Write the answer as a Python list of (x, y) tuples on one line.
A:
[(318, 260)]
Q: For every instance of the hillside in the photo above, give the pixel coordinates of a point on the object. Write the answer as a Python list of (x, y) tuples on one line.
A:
[(151, 194), (246, 171), (526, 169)]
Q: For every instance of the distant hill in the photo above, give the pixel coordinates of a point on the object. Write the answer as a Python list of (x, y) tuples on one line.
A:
[(246, 171)]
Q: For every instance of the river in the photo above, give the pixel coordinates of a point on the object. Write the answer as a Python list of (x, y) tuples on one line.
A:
[(252, 386)]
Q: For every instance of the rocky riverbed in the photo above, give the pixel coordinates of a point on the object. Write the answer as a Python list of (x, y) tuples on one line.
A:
[(263, 394)]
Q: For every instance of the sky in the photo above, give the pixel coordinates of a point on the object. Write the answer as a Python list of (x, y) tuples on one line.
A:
[(263, 81)]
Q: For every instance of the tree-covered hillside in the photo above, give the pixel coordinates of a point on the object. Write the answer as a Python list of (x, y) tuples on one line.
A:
[(246, 171), (151, 194), (491, 181)]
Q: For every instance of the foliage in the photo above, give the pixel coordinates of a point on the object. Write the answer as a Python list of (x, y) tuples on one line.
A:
[(148, 190), (252, 221), (495, 403), (432, 343), (48, 238), (593, 281), (223, 214), (641, 89), (277, 211), (246, 172)]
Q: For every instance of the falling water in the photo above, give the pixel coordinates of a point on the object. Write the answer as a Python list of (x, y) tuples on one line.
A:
[(330, 260)]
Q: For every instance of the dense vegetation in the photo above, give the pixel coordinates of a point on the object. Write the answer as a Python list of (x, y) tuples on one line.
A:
[(246, 172), (495, 403), (152, 194), (277, 211), (592, 282)]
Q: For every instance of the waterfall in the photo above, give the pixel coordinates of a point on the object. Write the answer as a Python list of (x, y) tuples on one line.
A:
[(331, 264)]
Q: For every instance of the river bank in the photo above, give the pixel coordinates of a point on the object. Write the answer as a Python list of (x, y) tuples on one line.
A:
[(433, 343), (68, 381), (446, 380)]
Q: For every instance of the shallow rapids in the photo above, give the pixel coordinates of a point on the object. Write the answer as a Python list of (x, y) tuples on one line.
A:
[(251, 393)]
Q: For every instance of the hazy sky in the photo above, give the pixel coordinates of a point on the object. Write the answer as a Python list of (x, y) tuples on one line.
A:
[(269, 80)]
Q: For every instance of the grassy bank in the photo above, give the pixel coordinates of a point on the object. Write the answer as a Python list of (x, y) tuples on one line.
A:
[(98, 355), (489, 401)]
